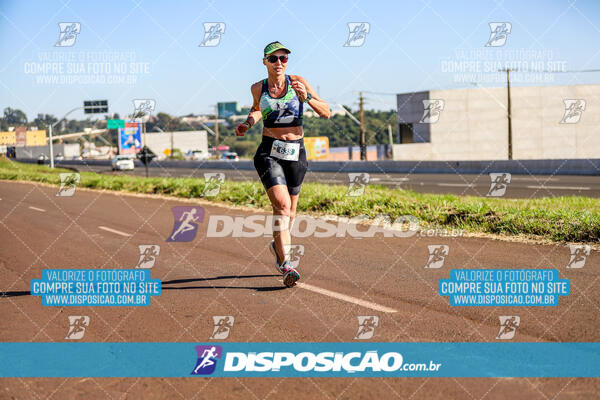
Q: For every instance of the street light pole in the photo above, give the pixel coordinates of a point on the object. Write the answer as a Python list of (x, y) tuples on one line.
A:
[(508, 112), (50, 134), (363, 133)]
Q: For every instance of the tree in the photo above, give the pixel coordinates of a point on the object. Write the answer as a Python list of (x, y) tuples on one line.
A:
[(14, 117), (43, 121)]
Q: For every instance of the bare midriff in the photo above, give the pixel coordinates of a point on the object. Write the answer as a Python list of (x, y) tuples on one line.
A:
[(289, 133)]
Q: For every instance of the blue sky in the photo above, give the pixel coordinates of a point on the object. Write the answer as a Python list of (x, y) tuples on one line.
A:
[(402, 52)]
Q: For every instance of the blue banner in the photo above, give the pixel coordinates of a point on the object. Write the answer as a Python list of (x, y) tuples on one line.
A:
[(95, 287), (504, 287), (300, 359)]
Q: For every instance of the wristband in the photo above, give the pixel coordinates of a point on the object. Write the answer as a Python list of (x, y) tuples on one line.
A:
[(247, 124)]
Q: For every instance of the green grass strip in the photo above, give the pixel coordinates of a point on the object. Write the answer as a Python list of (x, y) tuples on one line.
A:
[(561, 219)]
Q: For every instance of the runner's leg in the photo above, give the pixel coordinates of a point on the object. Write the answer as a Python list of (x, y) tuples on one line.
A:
[(294, 204), (281, 202)]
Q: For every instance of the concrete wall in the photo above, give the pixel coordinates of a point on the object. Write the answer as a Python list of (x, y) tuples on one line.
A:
[(68, 150), (522, 167), (473, 124), (537, 131), (342, 154)]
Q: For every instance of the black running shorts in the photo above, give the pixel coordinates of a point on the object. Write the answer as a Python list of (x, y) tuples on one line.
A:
[(274, 171)]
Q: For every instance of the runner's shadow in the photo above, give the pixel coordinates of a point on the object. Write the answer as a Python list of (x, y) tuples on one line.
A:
[(15, 293), (257, 288)]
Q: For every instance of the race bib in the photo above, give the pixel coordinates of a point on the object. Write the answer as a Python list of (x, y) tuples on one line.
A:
[(285, 150)]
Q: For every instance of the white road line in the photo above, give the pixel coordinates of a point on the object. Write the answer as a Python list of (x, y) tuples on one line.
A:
[(559, 187), (349, 299), (114, 231), (457, 184), (37, 209)]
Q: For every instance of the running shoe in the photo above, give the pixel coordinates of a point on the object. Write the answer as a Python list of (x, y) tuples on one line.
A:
[(274, 252), (290, 275)]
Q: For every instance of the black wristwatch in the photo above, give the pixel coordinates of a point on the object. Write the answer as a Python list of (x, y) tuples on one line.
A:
[(308, 97)]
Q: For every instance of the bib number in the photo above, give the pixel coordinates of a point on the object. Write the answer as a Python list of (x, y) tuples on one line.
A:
[(285, 151)]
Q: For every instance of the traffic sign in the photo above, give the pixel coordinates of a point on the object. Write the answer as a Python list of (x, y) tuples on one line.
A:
[(115, 123), (95, 106)]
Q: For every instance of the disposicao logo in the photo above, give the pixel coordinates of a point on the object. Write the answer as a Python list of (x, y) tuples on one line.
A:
[(207, 359), (308, 363)]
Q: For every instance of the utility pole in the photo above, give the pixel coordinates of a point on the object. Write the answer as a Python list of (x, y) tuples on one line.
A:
[(363, 135), (216, 126), (391, 140), (144, 142), (171, 153), (509, 114)]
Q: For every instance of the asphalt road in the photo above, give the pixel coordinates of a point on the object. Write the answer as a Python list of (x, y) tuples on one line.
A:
[(342, 278), (521, 186)]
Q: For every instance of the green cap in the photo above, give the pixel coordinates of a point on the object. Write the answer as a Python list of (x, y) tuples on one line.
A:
[(274, 46)]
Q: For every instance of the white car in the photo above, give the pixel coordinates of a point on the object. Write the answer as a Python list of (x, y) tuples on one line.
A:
[(230, 156), (122, 163), (198, 155)]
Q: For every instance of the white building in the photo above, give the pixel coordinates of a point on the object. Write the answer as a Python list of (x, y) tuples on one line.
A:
[(548, 122)]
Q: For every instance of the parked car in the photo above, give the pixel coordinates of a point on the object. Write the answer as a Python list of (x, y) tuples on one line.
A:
[(43, 159), (230, 156), (59, 157), (122, 163)]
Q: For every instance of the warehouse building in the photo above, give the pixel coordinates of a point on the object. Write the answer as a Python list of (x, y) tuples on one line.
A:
[(161, 142), (548, 122)]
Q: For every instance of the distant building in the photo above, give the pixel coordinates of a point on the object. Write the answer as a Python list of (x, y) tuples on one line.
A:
[(194, 119), (227, 109), (21, 137), (160, 142), (548, 122)]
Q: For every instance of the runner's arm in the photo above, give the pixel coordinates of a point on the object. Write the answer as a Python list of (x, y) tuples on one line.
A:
[(255, 115), (318, 104)]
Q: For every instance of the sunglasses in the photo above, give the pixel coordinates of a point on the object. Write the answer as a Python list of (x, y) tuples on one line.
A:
[(273, 59)]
